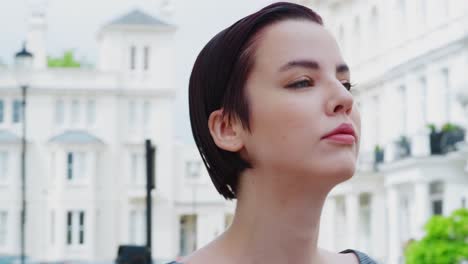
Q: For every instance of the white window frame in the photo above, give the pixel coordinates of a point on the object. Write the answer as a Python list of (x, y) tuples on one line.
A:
[(4, 166), (91, 112), (132, 57), (2, 111), (137, 168), (4, 228), (14, 103), (75, 227), (436, 195), (193, 169), (146, 57), (188, 234), (137, 226), (59, 112), (146, 115), (132, 115), (79, 167), (75, 112)]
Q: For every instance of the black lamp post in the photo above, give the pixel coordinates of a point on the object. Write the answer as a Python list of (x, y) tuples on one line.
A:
[(23, 67)]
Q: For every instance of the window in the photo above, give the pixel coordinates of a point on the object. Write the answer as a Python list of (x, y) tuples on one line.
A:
[(423, 10), (357, 38), (374, 26), (132, 114), (404, 109), (52, 227), (132, 57), (3, 166), (436, 191), (447, 93), (146, 52), (423, 84), (404, 219), (376, 117), (188, 234), (76, 166), (340, 222), (91, 112), (401, 16), (137, 168), (364, 221), (146, 114), (75, 232), (137, 227), (193, 169), (75, 111), (342, 38), (1, 111), (3, 228), (59, 112), (445, 8), (81, 228), (17, 111), (69, 228)]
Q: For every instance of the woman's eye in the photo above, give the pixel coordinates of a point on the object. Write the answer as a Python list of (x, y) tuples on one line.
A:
[(301, 84), (348, 85)]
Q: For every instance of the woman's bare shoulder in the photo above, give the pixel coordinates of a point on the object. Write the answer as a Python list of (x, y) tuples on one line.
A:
[(206, 254)]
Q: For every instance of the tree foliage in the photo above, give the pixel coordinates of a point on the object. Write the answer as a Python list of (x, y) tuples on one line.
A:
[(66, 61), (446, 241)]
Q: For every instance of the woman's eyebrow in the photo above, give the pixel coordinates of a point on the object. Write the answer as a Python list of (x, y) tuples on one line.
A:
[(310, 64), (342, 68)]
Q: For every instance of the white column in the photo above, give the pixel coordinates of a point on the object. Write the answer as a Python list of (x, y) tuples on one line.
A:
[(209, 226), (352, 215), (379, 225), (393, 225), (60, 234), (421, 208)]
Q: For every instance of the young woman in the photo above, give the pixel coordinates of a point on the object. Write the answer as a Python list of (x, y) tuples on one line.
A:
[(273, 117)]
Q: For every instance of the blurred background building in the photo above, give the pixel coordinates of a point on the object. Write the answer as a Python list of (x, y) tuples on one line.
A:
[(85, 151), (86, 130)]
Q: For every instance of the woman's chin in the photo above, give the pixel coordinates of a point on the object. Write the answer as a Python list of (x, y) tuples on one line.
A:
[(338, 171)]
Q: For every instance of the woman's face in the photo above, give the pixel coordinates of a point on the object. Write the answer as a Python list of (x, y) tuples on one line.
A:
[(298, 93)]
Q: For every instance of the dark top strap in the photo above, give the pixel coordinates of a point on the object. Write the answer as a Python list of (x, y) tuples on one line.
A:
[(363, 258)]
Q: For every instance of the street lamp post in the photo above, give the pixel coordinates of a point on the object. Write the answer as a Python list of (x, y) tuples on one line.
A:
[(463, 99), (23, 66)]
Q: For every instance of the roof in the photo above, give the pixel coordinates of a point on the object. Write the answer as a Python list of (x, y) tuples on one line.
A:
[(8, 137), (76, 137), (137, 18)]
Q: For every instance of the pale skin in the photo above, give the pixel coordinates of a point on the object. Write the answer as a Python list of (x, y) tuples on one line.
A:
[(297, 93)]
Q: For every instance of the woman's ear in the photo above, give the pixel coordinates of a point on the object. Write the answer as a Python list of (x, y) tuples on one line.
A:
[(226, 133)]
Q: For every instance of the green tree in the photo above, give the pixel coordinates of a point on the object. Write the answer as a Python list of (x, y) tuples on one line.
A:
[(66, 61), (446, 241)]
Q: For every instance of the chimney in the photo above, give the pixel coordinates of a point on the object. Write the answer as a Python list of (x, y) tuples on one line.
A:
[(36, 39)]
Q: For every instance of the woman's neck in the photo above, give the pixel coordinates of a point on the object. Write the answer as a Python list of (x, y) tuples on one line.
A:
[(277, 219)]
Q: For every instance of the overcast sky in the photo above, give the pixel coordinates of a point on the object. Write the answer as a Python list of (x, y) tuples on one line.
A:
[(73, 24)]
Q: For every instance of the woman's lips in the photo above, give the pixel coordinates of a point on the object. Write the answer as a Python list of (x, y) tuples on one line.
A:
[(343, 134), (342, 138)]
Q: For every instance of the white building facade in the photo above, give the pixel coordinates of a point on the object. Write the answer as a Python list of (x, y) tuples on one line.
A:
[(85, 162)]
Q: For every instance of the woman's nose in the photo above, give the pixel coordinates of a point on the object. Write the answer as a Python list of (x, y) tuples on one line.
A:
[(340, 100)]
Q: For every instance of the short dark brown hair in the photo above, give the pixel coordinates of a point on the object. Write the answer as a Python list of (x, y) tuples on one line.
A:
[(217, 82)]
